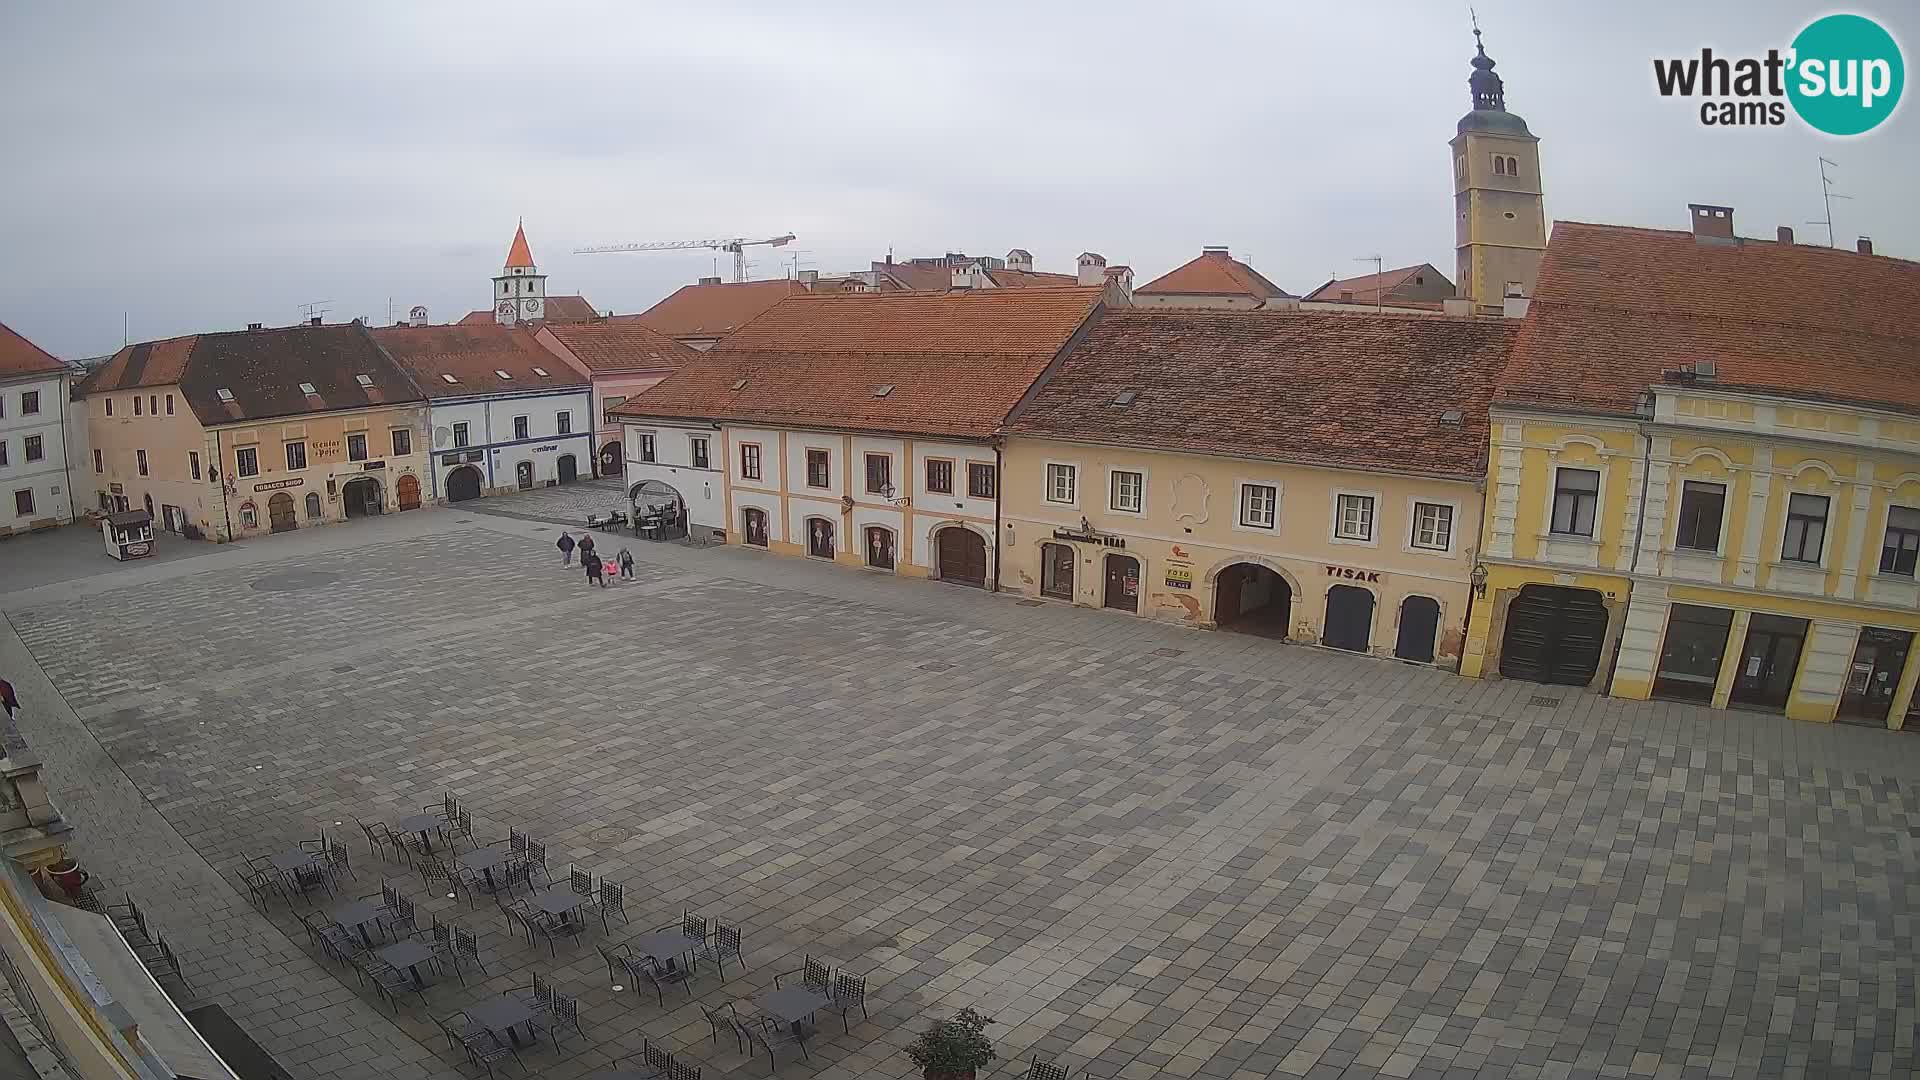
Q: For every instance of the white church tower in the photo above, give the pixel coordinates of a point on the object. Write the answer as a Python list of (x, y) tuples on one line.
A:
[(520, 290)]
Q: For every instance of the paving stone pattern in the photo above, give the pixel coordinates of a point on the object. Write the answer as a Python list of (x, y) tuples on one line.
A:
[(1145, 850)]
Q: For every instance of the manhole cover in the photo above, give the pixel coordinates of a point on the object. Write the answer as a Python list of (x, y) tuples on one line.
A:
[(296, 581), (608, 835), (1168, 652), (1543, 702), (463, 521), (935, 665), (342, 669), (1028, 603)]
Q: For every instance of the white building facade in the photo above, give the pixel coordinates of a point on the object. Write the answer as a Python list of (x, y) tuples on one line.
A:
[(498, 443), (34, 491)]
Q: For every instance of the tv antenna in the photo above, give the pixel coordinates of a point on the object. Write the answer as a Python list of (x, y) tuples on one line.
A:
[(317, 307), (1379, 268), (1827, 195)]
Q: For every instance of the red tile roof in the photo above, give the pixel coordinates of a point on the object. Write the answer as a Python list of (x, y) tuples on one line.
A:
[(263, 370), (519, 254), (557, 309), (623, 344), (1616, 306), (474, 356), (1347, 389), (956, 362), (1026, 279), (18, 356), (1214, 273), (714, 311), (1366, 286)]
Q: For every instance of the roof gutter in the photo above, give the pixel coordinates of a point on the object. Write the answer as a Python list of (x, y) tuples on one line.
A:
[(999, 485)]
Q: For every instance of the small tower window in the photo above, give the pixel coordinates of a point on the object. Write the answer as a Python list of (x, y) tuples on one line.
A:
[(1499, 165)]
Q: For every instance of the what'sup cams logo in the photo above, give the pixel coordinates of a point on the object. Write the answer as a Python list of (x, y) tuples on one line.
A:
[(1842, 75)]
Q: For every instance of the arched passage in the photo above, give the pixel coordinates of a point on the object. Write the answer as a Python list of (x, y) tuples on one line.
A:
[(361, 497), (1253, 599), (659, 513), (463, 483), (611, 459)]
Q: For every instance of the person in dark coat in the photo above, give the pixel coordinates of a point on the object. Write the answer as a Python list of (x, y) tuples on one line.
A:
[(595, 570), (565, 544), (626, 564), (9, 703), (586, 546)]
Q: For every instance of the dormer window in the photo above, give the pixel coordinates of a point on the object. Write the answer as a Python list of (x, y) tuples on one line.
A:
[(307, 388), (883, 391)]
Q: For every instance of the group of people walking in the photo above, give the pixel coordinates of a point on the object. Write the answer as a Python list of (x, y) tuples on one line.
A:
[(597, 569)]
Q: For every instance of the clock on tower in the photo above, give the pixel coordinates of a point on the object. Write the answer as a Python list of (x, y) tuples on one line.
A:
[(520, 289)]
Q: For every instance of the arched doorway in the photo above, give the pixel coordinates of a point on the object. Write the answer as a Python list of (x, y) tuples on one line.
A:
[(409, 492), (961, 556), (611, 462), (1253, 599), (1554, 635), (1419, 624), (1056, 571), (879, 547), (313, 506), (280, 513), (463, 483), (523, 475), (148, 499), (1123, 583), (659, 513), (569, 469), (361, 497), (1349, 619), (820, 538), (756, 526)]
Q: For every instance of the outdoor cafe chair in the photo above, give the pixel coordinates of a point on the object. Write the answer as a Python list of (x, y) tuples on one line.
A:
[(718, 1021), (457, 1028), (391, 982), (770, 1035), (444, 952), (536, 858), (581, 881), (657, 976), (613, 901), (338, 859), (849, 991), (725, 943), (1045, 1070), (486, 1048), (380, 839), (466, 946), (812, 973), (261, 887)]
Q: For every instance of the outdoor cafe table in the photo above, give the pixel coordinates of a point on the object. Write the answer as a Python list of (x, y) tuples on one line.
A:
[(409, 955), (503, 1013), (424, 824), (484, 859), (665, 946), (792, 1004), (357, 915), (295, 861)]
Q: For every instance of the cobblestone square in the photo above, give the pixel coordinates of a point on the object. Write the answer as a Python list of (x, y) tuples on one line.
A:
[(1146, 851)]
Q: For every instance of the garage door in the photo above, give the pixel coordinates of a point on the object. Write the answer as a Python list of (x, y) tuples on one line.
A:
[(963, 557), (1554, 635)]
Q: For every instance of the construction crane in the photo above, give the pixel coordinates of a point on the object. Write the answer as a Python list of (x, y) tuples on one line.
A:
[(737, 246)]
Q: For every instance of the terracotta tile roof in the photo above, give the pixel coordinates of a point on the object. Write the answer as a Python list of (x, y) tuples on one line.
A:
[(714, 311), (1214, 273), (1026, 279), (18, 356), (263, 370), (474, 355), (1616, 306), (623, 344), (558, 309), (1366, 286), (519, 254), (956, 362), (919, 278), (1348, 389)]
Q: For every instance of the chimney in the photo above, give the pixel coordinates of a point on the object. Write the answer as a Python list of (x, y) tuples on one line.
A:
[(1093, 269), (1712, 224), (1786, 235), (963, 277), (1457, 306), (1120, 284), (1217, 249), (808, 277), (709, 281), (1864, 245), (314, 321), (254, 326)]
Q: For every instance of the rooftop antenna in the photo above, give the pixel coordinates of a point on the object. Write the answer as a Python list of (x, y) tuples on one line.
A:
[(1379, 265), (1827, 195), (317, 307)]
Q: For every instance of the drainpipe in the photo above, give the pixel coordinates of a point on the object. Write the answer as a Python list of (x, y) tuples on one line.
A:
[(66, 446), (999, 546), (1633, 567)]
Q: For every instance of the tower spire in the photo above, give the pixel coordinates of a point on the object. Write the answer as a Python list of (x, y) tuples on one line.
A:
[(1488, 92)]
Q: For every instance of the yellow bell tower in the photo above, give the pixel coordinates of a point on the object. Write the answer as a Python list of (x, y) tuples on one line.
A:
[(1500, 226)]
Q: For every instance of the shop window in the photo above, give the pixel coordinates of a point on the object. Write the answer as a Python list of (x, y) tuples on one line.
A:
[(1690, 658)]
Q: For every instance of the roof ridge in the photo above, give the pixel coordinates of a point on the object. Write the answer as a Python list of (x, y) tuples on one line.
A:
[(1661, 311)]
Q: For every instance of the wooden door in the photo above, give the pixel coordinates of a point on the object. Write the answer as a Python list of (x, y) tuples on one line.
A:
[(1349, 619), (1123, 583), (280, 512), (963, 557), (1419, 622), (409, 489), (1554, 635), (569, 469), (756, 527)]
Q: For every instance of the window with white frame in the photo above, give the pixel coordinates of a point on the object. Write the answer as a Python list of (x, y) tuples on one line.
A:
[(1062, 483), (1806, 528), (1432, 526), (1576, 499), (1353, 517), (750, 461), (698, 446), (1127, 491), (1259, 505)]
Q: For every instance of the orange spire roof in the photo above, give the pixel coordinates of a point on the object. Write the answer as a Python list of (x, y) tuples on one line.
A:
[(520, 254)]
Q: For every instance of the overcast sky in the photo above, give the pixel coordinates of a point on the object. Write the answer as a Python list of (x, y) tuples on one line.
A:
[(201, 166)]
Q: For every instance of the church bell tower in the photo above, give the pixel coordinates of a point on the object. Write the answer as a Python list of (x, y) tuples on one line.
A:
[(1500, 225), (520, 289)]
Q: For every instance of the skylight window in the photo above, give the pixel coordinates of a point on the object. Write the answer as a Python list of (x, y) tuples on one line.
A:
[(1124, 397), (883, 391), (307, 388), (542, 372), (224, 394), (740, 384), (1452, 416), (448, 378), (363, 380)]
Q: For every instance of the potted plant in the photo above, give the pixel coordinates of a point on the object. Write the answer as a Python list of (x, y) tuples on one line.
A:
[(952, 1049), (67, 874)]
